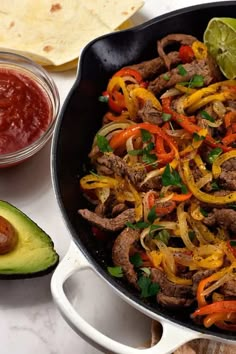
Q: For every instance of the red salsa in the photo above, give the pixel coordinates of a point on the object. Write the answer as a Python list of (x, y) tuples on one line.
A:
[(25, 110)]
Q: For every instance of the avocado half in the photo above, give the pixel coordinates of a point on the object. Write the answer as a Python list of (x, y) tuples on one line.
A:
[(34, 254)]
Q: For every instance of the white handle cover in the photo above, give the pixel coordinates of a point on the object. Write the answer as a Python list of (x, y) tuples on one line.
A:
[(173, 335)]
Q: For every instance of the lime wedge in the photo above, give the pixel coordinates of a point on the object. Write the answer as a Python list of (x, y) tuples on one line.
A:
[(220, 39)]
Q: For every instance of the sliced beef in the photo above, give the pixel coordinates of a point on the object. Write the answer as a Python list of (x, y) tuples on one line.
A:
[(115, 164), (169, 288), (227, 180), (153, 183), (229, 165), (200, 275), (173, 302), (225, 218), (229, 288), (180, 38), (121, 252), (150, 114), (152, 68), (108, 224), (196, 67)]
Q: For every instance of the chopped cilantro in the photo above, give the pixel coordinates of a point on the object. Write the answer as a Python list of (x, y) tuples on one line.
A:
[(136, 260), (197, 137), (203, 212), (148, 288), (103, 99), (166, 117), (215, 186), (146, 135), (103, 144), (232, 206), (154, 227), (152, 215), (166, 77), (149, 159), (135, 152), (146, 271), (138, 225), (163, 236), (212, 156), (181, 70), (172, 178), (196, 81), (207, 116), (115, 271), (232, 243)]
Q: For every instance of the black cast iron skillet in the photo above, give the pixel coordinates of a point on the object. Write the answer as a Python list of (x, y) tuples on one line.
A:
[(80, 118)]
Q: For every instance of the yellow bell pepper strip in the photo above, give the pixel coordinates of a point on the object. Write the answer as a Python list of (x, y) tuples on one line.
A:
[(211, 262), (172, 277), (189, 126), (156, 258), (185, 89), (202, 196), (222, 96), (138, 206), (216, 166), (200, 164), (117, 83), (145, 95), (225, 306), (92, 182), (196, 143), (199, 94), (129, 72), (199, 50)]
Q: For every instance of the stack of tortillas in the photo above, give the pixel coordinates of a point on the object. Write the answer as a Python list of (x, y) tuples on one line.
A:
[(53, 32)]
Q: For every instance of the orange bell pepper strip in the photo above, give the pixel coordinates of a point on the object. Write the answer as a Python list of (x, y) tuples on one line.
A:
[(229, 139), (225, 306), (219, 319), (181, 197), (129, 72), (163, 156), (161, 210), (188, 125), (120, 138)]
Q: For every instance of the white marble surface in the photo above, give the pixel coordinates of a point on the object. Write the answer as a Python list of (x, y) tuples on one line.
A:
[(29, 321)]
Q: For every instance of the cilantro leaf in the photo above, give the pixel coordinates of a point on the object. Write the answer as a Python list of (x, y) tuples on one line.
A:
[(172, 178), (196, 81), (103, 144), (103, 99), (146, 135), (135, 152), (139, 225), (207, 116), (203, 212), (191, 235), (116, 272), (148, 288), (166, 117), (163, 236), (215, 186), (152, 215), (212, 156), (181, 70), (136, 260), (166, 77), (197, 137)]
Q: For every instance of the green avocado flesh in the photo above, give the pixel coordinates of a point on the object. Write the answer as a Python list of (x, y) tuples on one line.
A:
[(34, 253)]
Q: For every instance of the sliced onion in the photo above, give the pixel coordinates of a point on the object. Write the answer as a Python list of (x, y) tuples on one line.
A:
[(130, 147), (219, 108), (143, 235), (217, 284), (103, 194), (179, 104), (169, 258), (111, 127), (171, 92), (183, 226), (204, 180), (178, 133), (215, 124)]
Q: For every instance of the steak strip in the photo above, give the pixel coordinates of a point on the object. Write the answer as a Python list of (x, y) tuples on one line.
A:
[(108, 224), (197, 67), (225, 218), (150, 69), (120, 253), (183, 39)]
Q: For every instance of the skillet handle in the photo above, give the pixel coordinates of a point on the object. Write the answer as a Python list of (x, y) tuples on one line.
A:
[(173, 335)]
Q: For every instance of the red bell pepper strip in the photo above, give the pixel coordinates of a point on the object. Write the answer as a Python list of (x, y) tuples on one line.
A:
[(130, 72), (186, 54), (161, 210), (229, 139), (224, 306), (186, 124), (116, 101)]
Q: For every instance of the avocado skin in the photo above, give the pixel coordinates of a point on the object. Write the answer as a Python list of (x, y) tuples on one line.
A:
[(34, 254)]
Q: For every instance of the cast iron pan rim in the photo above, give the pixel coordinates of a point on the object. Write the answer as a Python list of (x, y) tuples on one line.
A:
[(55, 181)]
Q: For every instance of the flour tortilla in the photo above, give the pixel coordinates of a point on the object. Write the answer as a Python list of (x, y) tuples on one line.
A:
[(53, 32)]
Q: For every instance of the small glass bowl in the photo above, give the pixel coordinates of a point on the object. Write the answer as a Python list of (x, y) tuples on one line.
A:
[(36, 73)]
